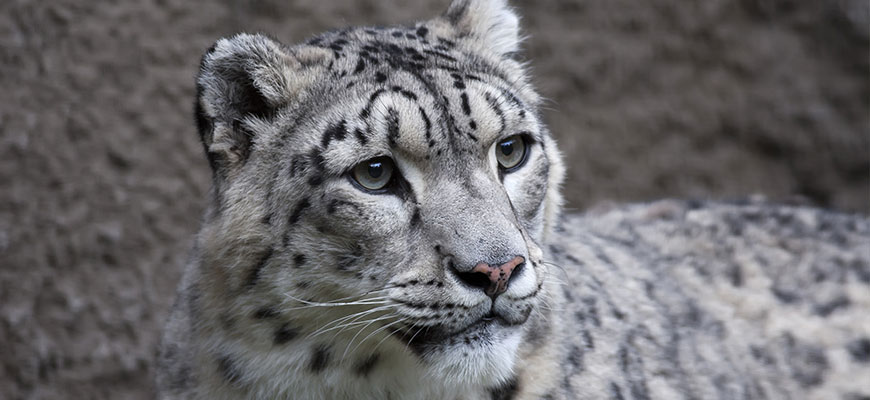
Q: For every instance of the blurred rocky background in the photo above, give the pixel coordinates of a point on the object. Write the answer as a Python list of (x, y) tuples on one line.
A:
[(103, 181)]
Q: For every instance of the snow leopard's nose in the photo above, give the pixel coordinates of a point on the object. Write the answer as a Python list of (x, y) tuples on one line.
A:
[(493, 280)]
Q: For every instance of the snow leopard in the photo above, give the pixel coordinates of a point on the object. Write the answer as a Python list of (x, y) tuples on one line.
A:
[(385, 222)]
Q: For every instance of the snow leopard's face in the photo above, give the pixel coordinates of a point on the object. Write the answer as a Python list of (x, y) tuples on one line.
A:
[(381, 193)]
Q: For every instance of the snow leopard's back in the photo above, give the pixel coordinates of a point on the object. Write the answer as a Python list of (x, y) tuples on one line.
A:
[(674, 300)]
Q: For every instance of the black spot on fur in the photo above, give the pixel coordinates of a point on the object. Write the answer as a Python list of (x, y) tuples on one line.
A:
[(466, 108), (860, 350), (575, 358), (380, 77), (298, 164), (364, 367), (422, 31), (784, 296), (284, 334), (334, 132), (360, 66), (254, 274), (392, 127), (592, 310), (318, 162), (297, 212), (507, 391), (361, 136), (415, 218), (267, 219), (825, 309), (808, 362), (299, 260), (266, 313), (228, 370), (319, 359)]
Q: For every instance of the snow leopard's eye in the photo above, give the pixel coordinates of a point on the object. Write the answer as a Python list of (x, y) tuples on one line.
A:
[(511, 153), (374, 174)]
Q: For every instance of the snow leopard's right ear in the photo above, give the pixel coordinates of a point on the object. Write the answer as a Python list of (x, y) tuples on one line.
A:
[(492, 23), (244, 80)]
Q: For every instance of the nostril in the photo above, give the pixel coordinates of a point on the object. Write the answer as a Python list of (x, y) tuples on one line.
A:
[(518, 270), (474, 279)]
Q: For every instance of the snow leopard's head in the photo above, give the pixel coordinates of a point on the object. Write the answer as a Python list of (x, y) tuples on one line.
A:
[(380, 194)]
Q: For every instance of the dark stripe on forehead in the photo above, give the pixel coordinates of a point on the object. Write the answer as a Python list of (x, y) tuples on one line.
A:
[(392, 126), (333, 132), (502, 85), (367, 110), (466, 108), (361, 136), (496, 108), (406, 93)]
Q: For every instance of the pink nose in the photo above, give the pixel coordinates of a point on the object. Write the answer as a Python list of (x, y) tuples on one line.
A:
[(498, 276)]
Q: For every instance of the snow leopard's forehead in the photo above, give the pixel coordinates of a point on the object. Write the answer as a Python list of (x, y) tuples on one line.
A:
[(416, 90)]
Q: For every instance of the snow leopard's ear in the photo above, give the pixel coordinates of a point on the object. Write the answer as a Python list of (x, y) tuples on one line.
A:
[(242, 82), (491, 22)]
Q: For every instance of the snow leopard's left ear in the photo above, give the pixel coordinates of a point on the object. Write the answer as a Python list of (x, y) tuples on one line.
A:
[(491, 22)]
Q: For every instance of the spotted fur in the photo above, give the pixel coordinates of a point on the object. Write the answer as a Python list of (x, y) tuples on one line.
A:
[(305, 285)]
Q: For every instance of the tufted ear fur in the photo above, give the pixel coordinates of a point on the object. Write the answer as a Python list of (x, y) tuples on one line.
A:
[(492, 21), (243, 79)]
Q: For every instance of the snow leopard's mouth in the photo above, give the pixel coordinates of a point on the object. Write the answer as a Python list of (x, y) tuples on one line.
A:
[(485, 329)]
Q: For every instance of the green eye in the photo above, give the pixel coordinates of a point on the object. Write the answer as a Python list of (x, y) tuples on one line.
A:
[(374, 174), (510, 152)]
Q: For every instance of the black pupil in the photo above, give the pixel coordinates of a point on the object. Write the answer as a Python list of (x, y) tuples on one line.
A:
[(375, 170), (507, 147)]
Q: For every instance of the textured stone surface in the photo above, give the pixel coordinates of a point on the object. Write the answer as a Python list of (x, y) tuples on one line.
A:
[(102, 179)]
